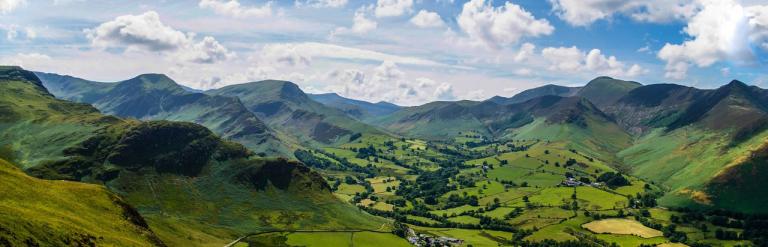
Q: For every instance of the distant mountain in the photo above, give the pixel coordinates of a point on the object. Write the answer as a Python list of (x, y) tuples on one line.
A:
[(537, 92), (191, 186), (283, 105), (356, 108), (157, 97)]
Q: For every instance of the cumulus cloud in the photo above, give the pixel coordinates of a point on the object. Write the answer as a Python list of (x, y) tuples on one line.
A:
[(500, 26), (233, 8), (387, 82), (389, 8), (526, 50), (291, 55), (722, 30), (426, 19), (585, 12), (146, 32), (6, 6), (360, 25), (572, 59)]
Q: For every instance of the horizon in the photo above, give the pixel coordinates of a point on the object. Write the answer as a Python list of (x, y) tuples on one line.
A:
[(401, 51), (573, 85)]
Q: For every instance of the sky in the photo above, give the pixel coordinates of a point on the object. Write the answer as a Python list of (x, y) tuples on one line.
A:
[(407, 52)]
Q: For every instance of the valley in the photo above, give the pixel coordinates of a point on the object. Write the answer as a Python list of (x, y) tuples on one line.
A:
[(264, 164)]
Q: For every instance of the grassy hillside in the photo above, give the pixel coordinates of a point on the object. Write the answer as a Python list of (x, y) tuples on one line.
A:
[(157, 97), (284, 106), (604, 91), (192, 187), (35, 212)]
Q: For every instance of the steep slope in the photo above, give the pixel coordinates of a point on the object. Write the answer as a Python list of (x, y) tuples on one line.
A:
[(692, 138), (284, 106), (553, 118), (36, 212), (31, 120), (355, 108), (537, 92), (190, 186), (157, 97), (604, 91)]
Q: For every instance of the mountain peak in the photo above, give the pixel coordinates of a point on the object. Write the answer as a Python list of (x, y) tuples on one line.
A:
[(153, 82), (153, 78), (736, 83)]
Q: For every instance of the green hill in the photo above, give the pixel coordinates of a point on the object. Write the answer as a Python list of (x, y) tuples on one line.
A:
[(191, 186), (604, 91), (284, 106), (157, 97), (36, 212), (537, 92)]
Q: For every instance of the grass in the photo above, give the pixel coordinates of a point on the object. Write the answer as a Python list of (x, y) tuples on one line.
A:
[(622, 227), (595, 199), (58, 213)]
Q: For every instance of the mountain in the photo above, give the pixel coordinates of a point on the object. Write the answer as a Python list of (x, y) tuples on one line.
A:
[(355, 108), (604, 91), (283, 105), (551, 118), (36, 212), (157, 97), (189, 185), (537, 92)]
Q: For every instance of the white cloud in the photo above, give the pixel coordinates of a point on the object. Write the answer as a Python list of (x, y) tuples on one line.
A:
[(426, 19), (146, 32), (233, 8), (25, 60), (496, 27), (572, 59), (526, 51), (360, 25), (323, 3), (308, 51), (6, 6), (387, 82), (585, 12), (722, 30), (206, 51), (285, 54), (389, 8)]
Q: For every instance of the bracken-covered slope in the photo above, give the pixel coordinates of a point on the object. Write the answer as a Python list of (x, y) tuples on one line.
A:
[(356, 108), (157, 97), (36, 212), (191, 186), (284, 106)]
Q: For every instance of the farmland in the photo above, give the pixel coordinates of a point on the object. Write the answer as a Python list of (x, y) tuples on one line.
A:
[(490, 193)]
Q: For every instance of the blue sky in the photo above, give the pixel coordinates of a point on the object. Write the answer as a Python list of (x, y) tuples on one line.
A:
[(403, 51)]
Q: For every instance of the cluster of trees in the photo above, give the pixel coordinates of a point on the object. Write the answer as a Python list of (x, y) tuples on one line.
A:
[(613, 179)]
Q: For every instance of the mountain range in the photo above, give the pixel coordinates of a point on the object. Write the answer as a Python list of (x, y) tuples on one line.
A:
[(182, 166)]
